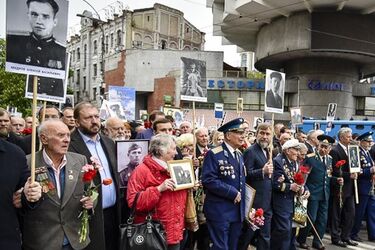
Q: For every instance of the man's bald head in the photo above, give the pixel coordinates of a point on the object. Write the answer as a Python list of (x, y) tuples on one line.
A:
[(115, 128)]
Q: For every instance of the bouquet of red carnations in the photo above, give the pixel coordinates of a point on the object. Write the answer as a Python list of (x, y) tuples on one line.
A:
[(256, 218)]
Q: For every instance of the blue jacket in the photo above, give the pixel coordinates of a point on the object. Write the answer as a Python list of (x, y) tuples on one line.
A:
[(364, 180), (255, 160), (222, 178)]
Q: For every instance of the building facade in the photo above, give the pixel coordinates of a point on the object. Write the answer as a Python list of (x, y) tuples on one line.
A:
[(98, 52)]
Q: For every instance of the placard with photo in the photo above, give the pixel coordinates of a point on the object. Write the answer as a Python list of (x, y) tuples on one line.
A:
[(182, 173), (296, 116), (193, 80), (274, 91), (354, 160), (331, 111)]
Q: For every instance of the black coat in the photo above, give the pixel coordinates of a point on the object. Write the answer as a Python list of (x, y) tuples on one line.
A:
[(14, 173), (77, 145)]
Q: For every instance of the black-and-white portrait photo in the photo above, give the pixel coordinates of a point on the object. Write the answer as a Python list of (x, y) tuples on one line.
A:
[(182, 173), (36, 37), (130, 154), (69, 102), (48, 89), (239, 105), (331, 111), (193, 80), (116, 109), (274, 92), (296, 116), (354, 161)]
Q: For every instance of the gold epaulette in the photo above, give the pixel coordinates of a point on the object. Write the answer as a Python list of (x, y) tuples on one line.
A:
[(217, 149), (310, 155)]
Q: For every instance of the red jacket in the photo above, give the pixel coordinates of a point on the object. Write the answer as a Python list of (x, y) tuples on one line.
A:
[(169, 205)]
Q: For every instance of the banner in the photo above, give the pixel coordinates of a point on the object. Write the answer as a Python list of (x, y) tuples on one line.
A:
[(126, 96)]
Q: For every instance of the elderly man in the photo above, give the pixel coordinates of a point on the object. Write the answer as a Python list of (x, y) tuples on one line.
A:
[(14, 175), (39, 48), (185, 127), (115, 128), (283, 138), (318, 182), (312, 141), (366, 190), (284, 190), (134, 156), (342, 215), (201, 135), (68, 118), (259, 172), (87, 140), (223, 177), (60, 174), (18, 124)]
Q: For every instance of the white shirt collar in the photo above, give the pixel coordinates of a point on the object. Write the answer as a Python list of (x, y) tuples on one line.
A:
[(160, 162), (49, 162), (231, 149)]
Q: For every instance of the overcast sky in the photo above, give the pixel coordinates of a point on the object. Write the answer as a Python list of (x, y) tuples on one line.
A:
[(195, 11)]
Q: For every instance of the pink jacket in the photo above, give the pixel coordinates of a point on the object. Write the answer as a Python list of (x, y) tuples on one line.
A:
[(169, 205)]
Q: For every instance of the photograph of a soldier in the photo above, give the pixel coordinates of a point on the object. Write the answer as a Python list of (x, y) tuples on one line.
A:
[(275, 83), (36, 33), (194, 78), (130, 154)]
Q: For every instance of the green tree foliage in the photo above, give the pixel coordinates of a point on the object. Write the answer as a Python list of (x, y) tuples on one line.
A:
[(255, 75), (12, 87)]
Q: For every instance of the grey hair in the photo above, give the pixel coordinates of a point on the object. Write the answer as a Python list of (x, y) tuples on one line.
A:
[(302, 146), (342, 131), (44, 126), (160, 144), (201, 130)]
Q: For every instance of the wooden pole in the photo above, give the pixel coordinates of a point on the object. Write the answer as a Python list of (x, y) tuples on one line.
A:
[(270, 147), (194, 139), (316, 232), (33, 128), (356, 191)]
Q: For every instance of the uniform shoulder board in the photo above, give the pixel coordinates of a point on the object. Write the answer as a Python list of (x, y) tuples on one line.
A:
[(216, 150), (310, 155)]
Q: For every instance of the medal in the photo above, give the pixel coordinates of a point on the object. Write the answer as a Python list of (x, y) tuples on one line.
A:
[(233, 176), (222, 168)]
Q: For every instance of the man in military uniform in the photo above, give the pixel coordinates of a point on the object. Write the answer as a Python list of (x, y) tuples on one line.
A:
[(223, 178), (318, 183), (366, 190), (39, 48), (134, 155), (47, 86), (284, 190)]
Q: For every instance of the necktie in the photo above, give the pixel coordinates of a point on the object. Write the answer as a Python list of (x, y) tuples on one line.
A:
[(324, 160), (236, 156)]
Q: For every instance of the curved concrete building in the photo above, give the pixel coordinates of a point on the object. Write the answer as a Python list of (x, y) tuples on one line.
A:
[(324, 46)]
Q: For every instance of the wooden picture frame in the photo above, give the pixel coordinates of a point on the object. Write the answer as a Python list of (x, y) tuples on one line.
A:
[(249, 200), (354, 160), (182, 173)]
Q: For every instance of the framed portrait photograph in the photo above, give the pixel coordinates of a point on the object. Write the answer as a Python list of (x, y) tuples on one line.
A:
[(182, 173), (129, 155), (296, 116), (193, 80), (331, 111), (274, 92), (239, 105), (69, 102), (353, 155), (249, 199), (36, 34), (176, 113)]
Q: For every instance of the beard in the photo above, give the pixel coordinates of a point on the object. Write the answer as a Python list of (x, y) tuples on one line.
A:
[(4, 132), (90, 131), (263, 144)]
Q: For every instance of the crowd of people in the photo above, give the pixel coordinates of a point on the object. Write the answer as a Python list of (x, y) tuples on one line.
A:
[(45, 213)]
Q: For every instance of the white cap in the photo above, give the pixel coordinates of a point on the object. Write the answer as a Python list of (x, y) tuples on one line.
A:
[(293, 143)]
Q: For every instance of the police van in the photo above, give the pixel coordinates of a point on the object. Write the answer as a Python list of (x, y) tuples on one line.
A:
[(357, 126)]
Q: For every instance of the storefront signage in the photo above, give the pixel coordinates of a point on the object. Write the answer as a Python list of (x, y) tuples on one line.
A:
[(232, 84), (318, 85)]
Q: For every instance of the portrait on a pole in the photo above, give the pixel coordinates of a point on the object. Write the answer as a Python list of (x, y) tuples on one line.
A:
[(296, 116), (193, 80), (274, 92), (36, 33), (331, 111)]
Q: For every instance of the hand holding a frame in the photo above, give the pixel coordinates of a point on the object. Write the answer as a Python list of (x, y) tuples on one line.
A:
[(168, 184)]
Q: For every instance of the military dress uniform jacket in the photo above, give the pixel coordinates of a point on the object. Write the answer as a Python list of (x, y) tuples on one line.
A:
[(318, 181), (222, 178), (365, 179), (36, 52)]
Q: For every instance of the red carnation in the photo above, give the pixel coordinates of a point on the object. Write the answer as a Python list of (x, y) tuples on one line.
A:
[(304, 169), (89, 176), (259, 212), (107, 182), (27, 131), (298, 178), (340, 163)]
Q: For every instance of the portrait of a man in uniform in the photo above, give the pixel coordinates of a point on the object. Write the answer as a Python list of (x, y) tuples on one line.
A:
[(47, 86), (274, 89), (193, 79), (36, 45)]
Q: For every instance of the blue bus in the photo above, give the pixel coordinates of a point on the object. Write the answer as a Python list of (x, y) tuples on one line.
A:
[(358, 127)]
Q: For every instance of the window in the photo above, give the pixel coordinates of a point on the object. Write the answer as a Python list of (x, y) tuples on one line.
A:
[(119, 38), (148, 18), (95, 47), (106, 44), (95, 70), (94, 93), (73, 55), (78, 76), (84, 55), (112, 40), (163, 44), (187, 30), (78, 54), (84, 83)]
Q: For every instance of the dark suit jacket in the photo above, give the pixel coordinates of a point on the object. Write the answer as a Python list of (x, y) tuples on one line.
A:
[(338, 153), (254, 162), (45, 226), (372, 152), (14, 173), (274, 101), (78, 145)]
